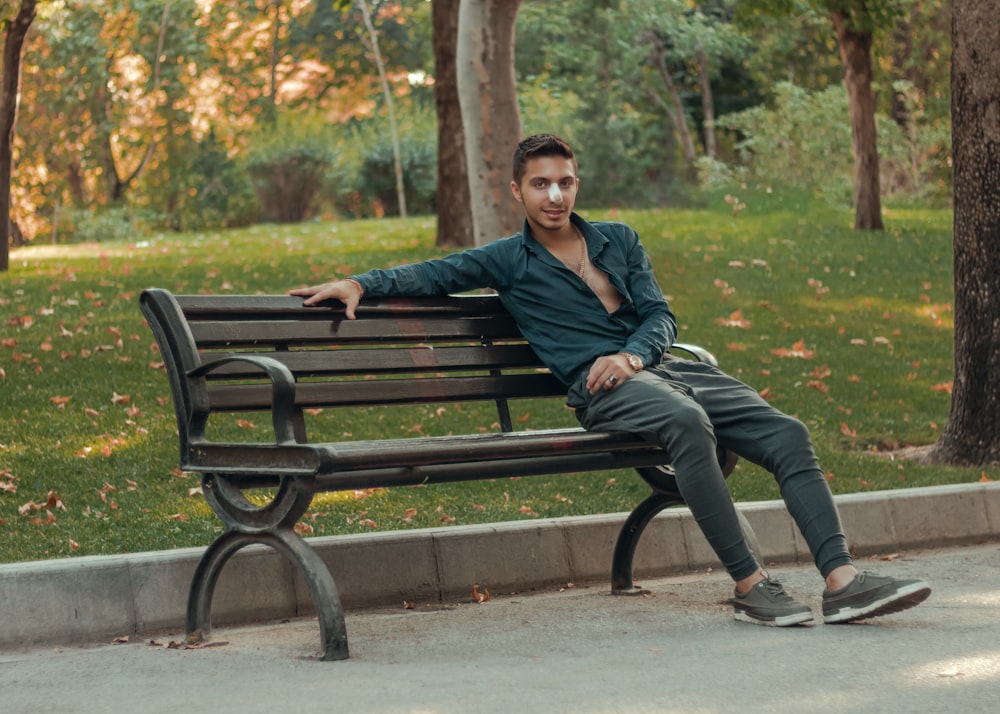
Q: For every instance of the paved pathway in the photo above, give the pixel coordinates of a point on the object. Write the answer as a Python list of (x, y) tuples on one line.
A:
[(579, 650)]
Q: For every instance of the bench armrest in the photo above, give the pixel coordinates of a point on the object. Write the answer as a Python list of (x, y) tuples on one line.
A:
[(700, 354), (282, 391)]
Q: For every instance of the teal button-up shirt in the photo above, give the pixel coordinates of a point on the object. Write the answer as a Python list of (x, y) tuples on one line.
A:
[(561, 317)]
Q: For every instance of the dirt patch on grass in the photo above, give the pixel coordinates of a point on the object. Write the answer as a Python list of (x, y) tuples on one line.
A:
[(916, 454)]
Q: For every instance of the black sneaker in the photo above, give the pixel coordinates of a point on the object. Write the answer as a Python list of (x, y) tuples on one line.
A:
[(870, 595), (767, 603)]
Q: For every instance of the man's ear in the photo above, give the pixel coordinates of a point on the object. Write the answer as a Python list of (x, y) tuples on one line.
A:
[(516, 190)]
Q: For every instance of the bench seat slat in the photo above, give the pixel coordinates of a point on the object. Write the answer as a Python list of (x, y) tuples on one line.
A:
[(506, 467), (470, 448), (484, 452)]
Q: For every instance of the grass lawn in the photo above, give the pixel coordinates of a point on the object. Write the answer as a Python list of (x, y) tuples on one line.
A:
[(850, 331)]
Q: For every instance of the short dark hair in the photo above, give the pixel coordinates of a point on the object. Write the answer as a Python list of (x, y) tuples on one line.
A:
[(540, 145)]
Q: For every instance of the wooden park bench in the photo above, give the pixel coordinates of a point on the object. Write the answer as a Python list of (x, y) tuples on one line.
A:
[(228, 354)]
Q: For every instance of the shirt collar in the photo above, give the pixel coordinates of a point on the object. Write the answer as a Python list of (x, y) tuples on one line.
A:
[(595, 239)]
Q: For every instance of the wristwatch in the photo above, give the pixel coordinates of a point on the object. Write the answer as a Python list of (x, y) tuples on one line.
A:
[(634, 362)]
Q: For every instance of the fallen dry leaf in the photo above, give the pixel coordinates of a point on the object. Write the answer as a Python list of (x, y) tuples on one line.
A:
[(797, 350), (482, 596), (735, 319), (60, 402), (174, 645)]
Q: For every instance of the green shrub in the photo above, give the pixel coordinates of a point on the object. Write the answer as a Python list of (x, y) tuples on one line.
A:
[(222, 195), (287, 162), (804, 140), (418, 158), (104, 224), (361, 181)]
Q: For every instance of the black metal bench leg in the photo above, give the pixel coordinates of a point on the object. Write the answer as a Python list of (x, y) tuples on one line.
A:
[(330, 613), (628, 539), (665, 494)]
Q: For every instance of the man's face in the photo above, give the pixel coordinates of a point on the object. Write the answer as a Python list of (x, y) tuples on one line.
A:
[(547, 192)]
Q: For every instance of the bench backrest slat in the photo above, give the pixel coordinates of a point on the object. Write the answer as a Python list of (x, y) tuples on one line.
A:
[(354, 393), (281, 332), (391, 360)]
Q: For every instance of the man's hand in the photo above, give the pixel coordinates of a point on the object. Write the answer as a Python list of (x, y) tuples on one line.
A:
[(608, 372), (347, 291)]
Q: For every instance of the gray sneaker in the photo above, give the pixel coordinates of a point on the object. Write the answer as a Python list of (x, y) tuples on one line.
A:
[(767, 603), (870, 595)]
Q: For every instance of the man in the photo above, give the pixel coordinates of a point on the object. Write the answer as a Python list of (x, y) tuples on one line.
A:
[(585, 297)]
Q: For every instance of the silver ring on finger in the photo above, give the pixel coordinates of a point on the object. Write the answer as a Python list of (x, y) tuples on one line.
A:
[(612, 380)]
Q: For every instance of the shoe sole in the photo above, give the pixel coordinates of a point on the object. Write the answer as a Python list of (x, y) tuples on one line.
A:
[(798, 618), (902, 599)]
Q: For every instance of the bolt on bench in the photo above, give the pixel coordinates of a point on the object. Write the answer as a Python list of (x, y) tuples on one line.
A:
[(229, 354)]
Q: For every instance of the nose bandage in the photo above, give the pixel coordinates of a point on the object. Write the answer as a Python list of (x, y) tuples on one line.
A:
[(555, 195)]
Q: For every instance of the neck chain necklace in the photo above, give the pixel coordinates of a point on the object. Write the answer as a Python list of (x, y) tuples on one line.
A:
[(581, 268)]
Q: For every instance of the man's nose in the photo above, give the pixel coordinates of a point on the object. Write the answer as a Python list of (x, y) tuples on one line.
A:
[(555, 195)]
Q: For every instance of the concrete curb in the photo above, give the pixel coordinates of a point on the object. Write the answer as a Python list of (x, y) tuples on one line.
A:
[(98, 598)]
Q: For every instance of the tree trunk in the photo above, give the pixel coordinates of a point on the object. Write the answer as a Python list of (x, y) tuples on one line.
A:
[(856, 57), (902, 65), (707, 104), (675, 109), (454, 212), (487, 94), (972, 435), (17, 29), (390, 107)]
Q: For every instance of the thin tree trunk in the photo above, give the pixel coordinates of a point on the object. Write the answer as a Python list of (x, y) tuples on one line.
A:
[(707, 105), (856, 58), (454, 212), (487, 92), (275, 32), (151, 146), (17, 29), (387, 92), (676, 108), (972, 434)]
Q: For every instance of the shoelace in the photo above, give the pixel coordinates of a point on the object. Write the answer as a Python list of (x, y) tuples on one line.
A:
[(774, 587)]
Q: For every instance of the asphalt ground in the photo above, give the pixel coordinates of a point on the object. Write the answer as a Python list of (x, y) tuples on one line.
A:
[(562, 649)]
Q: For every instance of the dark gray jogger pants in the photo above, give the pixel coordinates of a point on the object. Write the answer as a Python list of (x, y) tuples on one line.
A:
[(687, 407)]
